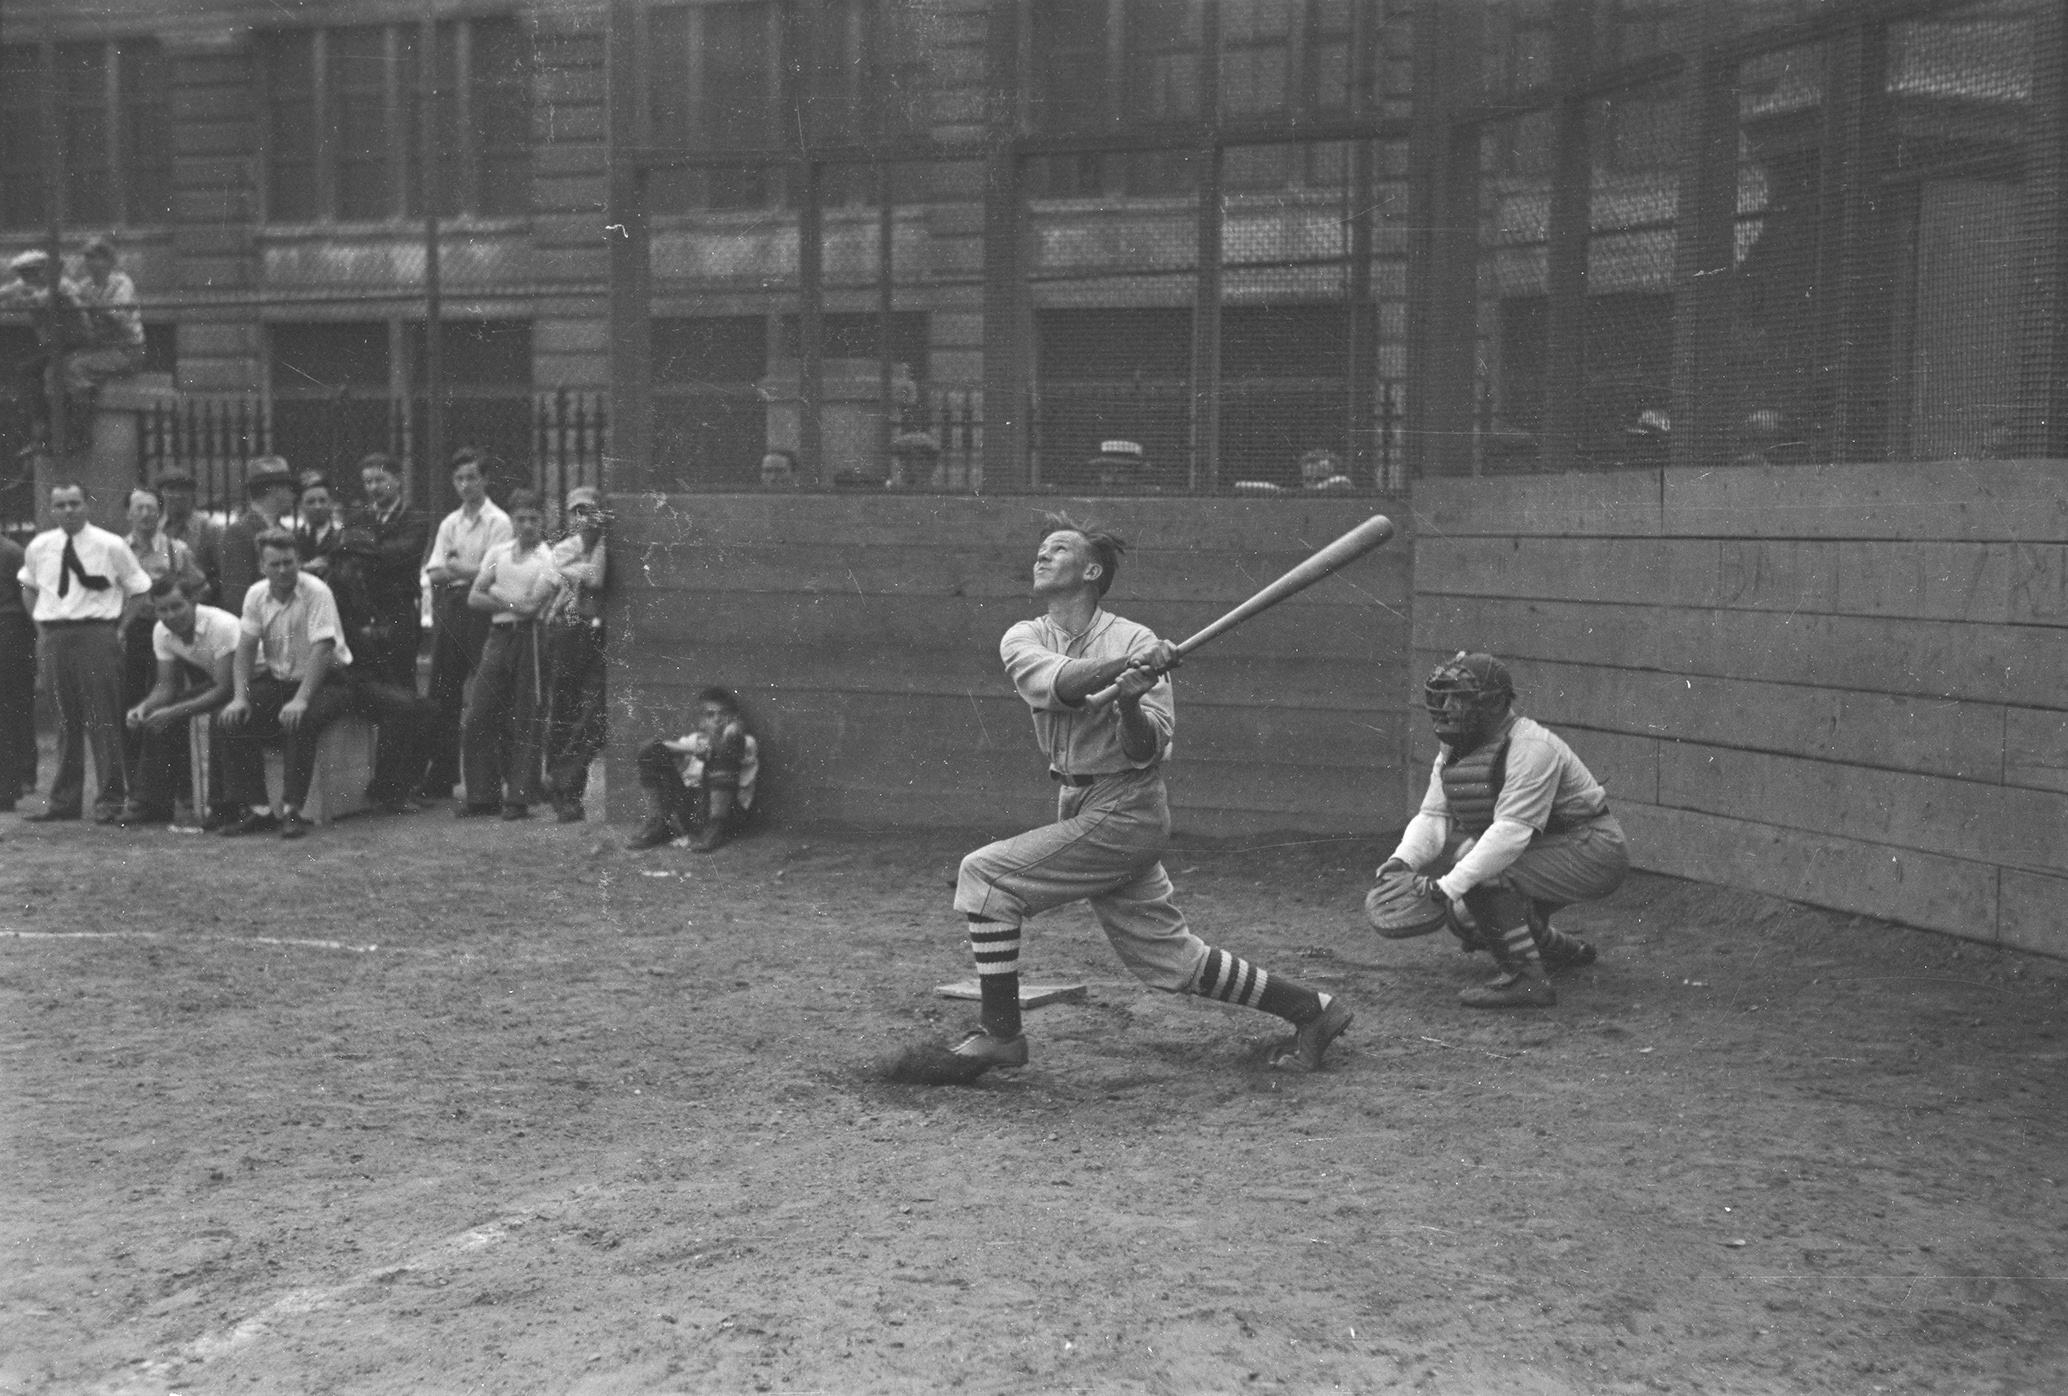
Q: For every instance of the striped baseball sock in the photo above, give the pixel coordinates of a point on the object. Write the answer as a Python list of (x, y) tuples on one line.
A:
[(996, 946), (1232, 979), (1518, 945)]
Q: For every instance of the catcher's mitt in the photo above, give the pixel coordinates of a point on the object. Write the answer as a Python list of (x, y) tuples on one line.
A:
[(1401, 906)]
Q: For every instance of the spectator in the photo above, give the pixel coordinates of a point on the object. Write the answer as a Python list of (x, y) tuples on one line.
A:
[(779, 470), (515, 583), (383, 541), (269, 493), (81, 585), (700, 788), (195, 648), (52, 304), (316, 530), (108, 297), (293, 679), (575, 722), (159, 556), (1321, 472), (202, 534), (17, 684), (459, 629)]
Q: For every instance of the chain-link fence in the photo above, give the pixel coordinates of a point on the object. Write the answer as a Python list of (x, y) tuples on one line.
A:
[(1748, 234), (1163, 246), (1157, 247)]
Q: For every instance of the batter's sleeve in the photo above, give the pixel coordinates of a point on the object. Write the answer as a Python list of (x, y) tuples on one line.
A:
[(1033, 666)]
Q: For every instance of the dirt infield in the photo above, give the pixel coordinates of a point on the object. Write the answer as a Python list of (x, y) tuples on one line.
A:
[(421, 1106)]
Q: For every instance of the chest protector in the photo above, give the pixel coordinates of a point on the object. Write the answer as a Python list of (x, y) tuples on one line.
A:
[(1472, 785)]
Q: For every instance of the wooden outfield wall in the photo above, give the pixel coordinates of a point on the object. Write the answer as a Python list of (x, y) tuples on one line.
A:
[(1845, 685), (862, 633)]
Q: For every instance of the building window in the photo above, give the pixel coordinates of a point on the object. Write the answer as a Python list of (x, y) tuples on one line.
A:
[(713, 80), (342, 139), (106, 104)]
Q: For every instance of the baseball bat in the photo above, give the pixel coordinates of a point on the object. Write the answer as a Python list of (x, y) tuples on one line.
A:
[(1343, 551)]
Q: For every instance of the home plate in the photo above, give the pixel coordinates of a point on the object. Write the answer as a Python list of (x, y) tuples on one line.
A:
[(1031, 995)]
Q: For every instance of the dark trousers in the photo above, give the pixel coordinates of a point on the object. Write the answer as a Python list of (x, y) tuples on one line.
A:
[(17, 706), (400, 714), (243, 750), (501, 730), (687, 807), (391, 652), (575, 726), (83, 662), (456, 645), (139, 676), (161, 769)]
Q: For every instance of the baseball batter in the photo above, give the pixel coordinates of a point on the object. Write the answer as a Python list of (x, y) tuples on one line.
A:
[(1112, 818), (1517, 827)]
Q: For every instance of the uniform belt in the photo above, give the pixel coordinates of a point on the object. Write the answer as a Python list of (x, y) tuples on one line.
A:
[(1555, 825), (110, 621), (1078, 781)]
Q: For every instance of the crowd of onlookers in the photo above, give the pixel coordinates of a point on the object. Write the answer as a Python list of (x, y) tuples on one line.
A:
[(298, 612)]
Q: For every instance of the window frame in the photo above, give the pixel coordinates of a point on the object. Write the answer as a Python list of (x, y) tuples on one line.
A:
[(117, 163), (464, 153)]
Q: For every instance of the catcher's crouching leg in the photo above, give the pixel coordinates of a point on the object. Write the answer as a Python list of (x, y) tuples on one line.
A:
[(1557, 949), (1504, 917)]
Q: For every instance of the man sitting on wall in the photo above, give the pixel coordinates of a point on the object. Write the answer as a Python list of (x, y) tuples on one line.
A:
[(293, 679), (196, 651), (108, 297)]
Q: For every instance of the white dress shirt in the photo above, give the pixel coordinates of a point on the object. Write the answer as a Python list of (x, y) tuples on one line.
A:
[(101, 554)]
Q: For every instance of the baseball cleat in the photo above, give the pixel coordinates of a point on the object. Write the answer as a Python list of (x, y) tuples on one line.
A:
[(1562, 951), (993, 1051), (1518, 986), (1310, 1042)]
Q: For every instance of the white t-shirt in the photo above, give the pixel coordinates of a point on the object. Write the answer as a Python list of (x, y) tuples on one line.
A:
[(215, 635), (513, 580)]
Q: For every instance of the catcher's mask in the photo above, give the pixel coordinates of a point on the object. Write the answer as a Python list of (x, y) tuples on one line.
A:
[(1466, 696)]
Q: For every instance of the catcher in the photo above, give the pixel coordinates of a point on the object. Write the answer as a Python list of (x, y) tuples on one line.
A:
[(1112, 818), (1516, 826)]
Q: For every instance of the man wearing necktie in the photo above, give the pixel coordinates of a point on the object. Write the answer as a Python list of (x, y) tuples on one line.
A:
[(82, 585)]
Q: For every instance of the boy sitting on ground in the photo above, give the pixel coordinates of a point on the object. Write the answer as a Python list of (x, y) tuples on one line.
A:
[(700, 786)]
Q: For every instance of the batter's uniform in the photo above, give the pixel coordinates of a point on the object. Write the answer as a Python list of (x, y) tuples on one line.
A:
[(1112, 815), (1519, 814)]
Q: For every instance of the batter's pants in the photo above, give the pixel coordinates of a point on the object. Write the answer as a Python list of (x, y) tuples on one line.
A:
[(1106, 848)]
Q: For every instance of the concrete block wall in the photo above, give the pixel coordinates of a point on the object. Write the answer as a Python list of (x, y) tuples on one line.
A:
[(862, 633), (1846, 685)]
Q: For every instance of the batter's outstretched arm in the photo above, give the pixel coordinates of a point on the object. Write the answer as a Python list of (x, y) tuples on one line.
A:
[(1081, 678)]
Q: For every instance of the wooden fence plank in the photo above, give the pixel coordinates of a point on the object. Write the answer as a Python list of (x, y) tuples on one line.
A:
[(2025, 666), (1930, 814), (1908, 501), (1011, 523), (972, 626), (1618, 504), (1917, 889), (2032, 918), (2035, 749), (1223, 578), (1936, 737)]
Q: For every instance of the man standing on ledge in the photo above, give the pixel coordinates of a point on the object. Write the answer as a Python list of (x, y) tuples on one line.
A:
[(80, 585), (1113, 816)]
